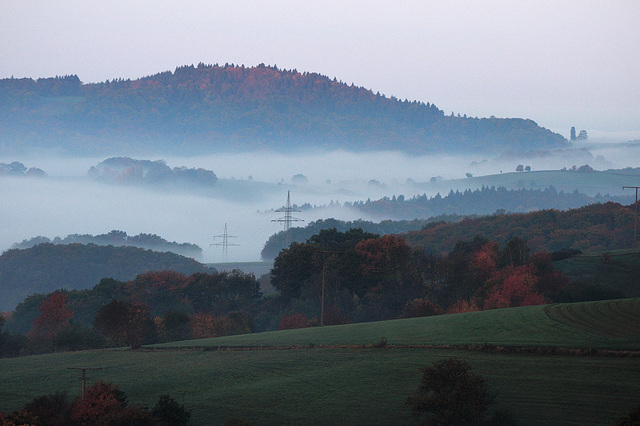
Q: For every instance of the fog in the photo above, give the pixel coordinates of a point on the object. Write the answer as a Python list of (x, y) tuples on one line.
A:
[(250, 187)]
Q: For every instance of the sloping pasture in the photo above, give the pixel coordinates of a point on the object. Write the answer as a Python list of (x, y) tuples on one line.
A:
[(335, 375), (531, 326)]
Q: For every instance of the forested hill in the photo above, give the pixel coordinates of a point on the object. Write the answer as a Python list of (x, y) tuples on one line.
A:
[(211, 108), (595, 227), (48, 267)]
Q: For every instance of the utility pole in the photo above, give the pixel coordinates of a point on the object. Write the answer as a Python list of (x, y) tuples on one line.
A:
[(225, 242), (635, 218), (287, 218), (324, 257), (84, 375)]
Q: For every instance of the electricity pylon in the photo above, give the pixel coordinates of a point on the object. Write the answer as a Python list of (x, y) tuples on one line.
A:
[(225, 242), (287, 218)]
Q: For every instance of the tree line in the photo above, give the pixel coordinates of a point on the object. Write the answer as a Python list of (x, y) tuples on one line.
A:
[(355, 275), (482, 201), (154, 307), (118, 238), (367, 277), (594, 227)]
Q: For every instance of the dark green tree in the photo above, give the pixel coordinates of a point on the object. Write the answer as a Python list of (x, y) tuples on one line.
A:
[(169, 411), (516, 252), (52, 410), (573, 133), (450, 394), (124, 322)]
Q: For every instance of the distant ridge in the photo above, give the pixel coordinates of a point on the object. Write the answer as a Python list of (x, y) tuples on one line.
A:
[(212, 108)]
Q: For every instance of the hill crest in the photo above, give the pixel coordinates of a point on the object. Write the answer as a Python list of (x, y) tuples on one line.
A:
[(211, 108)]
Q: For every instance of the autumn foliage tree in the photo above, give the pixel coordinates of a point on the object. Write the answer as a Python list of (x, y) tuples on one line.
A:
[(102, 400), (386, 254), (514, 286), (53, 317)]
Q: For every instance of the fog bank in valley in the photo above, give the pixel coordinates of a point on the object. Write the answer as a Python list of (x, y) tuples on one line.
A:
[(250, 187)]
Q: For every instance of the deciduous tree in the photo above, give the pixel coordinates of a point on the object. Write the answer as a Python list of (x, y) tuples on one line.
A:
[(124, 322), (101, 401), (54, 316)]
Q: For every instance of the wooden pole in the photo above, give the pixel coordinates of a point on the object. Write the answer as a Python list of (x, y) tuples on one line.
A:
[(84, 376)]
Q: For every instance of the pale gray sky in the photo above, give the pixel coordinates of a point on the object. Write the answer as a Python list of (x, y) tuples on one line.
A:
[(561, 63)]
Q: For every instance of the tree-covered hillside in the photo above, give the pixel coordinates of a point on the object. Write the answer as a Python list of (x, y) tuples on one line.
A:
[(210, 107), (48, 267), (416, 213), (596, 227)]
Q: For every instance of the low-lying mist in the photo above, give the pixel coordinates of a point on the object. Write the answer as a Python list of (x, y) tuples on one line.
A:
[(250, 187)]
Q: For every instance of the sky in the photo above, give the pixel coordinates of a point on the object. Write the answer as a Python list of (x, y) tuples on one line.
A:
[(561, 63)]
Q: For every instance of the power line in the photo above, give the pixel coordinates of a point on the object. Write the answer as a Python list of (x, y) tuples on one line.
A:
[(225, 242)]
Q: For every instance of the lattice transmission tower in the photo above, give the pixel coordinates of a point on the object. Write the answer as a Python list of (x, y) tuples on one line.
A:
[(225, 242), (287, 218)]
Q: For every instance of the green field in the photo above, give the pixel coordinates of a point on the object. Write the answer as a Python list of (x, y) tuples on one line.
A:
[(335, 375)]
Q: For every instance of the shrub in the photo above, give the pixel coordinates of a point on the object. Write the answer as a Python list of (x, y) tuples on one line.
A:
[(52, 410), (295, 320), (420, 308)]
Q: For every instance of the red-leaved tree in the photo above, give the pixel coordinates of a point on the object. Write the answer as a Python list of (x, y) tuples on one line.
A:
[(102, 400), (382, 255), (516, 286), (53, 317)]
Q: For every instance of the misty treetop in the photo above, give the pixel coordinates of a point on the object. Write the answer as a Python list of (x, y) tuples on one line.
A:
[(128, 171), (482, 201), (119, 238), (211, 108), (18, 169)]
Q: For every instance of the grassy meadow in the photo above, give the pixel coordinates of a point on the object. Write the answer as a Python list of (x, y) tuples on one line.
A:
[(336, 375)]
